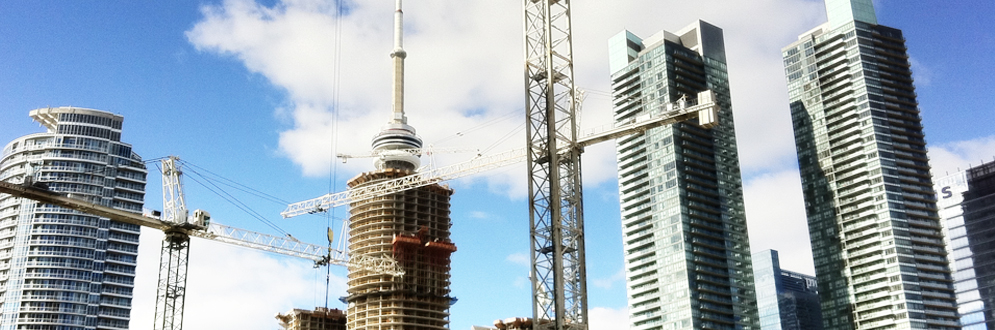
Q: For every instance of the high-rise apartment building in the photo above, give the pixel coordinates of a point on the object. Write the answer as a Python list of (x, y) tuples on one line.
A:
[(59, 268), (786, 300), (967, 206), (687, 254), (872, 216)]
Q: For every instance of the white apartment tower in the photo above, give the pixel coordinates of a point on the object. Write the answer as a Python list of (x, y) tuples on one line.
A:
[(59, 268)]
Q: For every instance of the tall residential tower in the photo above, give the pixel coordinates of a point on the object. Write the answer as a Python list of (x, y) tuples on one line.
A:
[(873, 222), (687, 254), (59, 268)]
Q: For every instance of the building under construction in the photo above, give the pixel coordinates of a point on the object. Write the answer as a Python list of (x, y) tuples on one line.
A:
[(413, 227), (320, 318), (410, 226)]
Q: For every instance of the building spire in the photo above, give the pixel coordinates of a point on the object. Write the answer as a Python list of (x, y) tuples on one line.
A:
[(398, 54), (397, 138)]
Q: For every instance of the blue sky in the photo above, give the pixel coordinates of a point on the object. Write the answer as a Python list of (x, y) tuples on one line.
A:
[(246, 90)]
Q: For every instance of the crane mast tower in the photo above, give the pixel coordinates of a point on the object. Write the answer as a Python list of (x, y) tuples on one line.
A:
[(556, 217)]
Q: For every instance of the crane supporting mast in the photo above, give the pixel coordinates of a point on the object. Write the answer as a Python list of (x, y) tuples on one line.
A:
[(559, 278), (172, 288)]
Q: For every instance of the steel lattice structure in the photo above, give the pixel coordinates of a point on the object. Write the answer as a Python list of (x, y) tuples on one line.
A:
[(171, 294), (553, 159)]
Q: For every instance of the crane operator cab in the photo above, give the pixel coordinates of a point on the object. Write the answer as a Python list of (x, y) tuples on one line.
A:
[(201, 218)]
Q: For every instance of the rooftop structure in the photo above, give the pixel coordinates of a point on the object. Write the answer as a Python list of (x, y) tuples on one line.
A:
[(786, 300), (320, 318), (876, 239), (59, 268)]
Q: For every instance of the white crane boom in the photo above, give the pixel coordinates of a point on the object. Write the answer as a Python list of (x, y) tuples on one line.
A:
[(705, 109), (416, 152), (216, 232), (416, 180)]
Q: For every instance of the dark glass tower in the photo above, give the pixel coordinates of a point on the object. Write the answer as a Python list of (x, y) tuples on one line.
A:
[(786, 300), (59, 268), (967, 205), (687, 254), (876, 236)]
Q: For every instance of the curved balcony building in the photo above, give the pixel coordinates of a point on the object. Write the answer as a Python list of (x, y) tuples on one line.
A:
[(59, 268)]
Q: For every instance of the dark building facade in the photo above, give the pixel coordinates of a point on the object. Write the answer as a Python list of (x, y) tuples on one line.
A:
[(786, 300), (967, 201)]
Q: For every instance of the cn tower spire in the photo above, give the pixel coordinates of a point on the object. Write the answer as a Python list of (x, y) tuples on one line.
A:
[(395, 140), (398, 54)]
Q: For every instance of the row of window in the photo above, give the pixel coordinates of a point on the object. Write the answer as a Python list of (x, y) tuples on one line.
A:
[(90, 119), (97, 132)]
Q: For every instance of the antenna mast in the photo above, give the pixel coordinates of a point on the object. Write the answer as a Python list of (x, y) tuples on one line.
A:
[(397, 135)]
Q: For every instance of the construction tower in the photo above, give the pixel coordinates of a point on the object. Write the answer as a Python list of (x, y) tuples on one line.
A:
[(410, 226)]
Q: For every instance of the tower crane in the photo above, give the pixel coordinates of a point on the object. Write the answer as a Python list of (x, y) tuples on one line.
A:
[(552, 155), (569, 235), (703, 108), (179, 226)]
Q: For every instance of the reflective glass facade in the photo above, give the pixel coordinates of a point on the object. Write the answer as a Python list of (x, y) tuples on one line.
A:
[(687, 253), (61, 269), (967, 205), (786, 300), (873, 222)]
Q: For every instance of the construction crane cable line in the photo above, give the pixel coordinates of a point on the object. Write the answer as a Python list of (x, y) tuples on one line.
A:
[(239, 204), (232, 183), (492, 121), (507, 136), (333, 165)]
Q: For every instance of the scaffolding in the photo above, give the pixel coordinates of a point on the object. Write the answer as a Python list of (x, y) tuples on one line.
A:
[(413, 228)]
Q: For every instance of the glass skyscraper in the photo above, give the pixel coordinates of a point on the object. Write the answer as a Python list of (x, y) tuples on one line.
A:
[(786, 300), (62, 269), (687, 254), (967, 205), (873, 223)]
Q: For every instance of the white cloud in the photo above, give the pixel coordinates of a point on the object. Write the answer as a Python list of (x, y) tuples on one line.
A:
[(521, 259), (607, 283), (776, 215), (521, 282), (603, 318), (465, 70), (948, 158), (249, 287), (922, 74)]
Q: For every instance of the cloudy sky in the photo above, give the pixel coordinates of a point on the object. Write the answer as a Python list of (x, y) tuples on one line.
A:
[(265, 92)]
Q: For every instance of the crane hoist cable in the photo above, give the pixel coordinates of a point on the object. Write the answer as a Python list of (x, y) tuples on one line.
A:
[(333, 177), (495, 120), (507, 136), (232, 183), (236, 202)]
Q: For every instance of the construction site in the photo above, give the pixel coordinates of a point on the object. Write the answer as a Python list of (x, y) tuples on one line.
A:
[(399, 239)]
